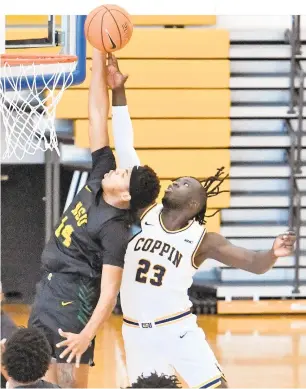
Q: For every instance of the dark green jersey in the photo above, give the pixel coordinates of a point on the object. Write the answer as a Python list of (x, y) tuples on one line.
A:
[(90, 232)]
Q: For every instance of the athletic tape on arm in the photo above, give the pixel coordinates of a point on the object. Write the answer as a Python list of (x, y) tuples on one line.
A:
[(124, 137)]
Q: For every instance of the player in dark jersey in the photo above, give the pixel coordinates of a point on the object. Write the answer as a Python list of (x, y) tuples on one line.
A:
[(72, 298)]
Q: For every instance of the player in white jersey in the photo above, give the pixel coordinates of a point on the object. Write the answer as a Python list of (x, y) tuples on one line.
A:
[(160, 333)]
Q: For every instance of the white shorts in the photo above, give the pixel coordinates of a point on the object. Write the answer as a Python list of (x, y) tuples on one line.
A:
[(175, 348)]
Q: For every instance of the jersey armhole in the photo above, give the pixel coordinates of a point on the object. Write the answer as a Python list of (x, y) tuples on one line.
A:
[(196, 249)]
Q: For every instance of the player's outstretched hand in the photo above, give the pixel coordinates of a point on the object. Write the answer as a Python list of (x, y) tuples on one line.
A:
[(115, 79), (283, 245), (76, 345)]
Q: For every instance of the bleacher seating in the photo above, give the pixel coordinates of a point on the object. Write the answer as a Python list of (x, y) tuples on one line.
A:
[(260, 170)]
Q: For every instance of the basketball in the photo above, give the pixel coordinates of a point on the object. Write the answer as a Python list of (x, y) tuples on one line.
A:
[(108, 28)]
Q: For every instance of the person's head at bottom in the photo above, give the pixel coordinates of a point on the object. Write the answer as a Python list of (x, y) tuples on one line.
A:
[(135, 188), (26, 358), (156, 381)]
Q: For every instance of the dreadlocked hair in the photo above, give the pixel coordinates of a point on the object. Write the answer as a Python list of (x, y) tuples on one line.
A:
[(156, 381), (211, 191)]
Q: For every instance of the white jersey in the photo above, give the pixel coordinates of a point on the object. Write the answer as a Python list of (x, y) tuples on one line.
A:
[(159, 268)]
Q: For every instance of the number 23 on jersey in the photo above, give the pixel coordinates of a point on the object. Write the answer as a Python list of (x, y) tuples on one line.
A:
[(142, 273)]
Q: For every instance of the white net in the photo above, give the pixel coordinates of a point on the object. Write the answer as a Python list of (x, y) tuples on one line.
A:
[(28, 110)]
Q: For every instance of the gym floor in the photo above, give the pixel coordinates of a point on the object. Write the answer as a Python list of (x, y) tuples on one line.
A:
[(254, 351)]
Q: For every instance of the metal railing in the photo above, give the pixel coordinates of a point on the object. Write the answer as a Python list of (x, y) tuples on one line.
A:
[(297, 223), (297, 77), (294, 206), (296, 106)]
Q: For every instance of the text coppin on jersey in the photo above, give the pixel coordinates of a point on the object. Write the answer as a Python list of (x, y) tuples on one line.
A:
[(158, 247)]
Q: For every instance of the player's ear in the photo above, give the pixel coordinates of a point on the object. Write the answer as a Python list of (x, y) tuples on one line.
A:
[(125, 196)]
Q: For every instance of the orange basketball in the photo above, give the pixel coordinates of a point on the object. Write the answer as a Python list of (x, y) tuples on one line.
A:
[(108, 28)]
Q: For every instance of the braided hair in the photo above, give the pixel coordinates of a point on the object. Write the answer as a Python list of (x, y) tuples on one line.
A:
[(211, 190)]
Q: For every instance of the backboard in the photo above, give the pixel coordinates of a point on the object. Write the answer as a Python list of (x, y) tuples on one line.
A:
[(41, 56), (48, 35)]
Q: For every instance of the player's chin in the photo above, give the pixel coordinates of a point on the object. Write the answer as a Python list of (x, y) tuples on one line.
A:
[(107, 183), (166, 195), (167, 199)]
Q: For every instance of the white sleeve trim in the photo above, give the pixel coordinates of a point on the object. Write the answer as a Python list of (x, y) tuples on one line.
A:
[(124, 137)]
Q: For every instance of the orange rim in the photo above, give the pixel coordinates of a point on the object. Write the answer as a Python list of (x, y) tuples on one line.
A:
[(15, 60)]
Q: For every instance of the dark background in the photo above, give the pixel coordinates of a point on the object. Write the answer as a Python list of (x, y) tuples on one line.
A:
[(23, 227)]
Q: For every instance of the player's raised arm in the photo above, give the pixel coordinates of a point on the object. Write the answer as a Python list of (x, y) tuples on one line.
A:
[(219, 248), (122, 124), (98, 103)]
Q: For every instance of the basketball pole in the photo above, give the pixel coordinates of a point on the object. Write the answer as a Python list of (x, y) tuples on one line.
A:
[(52, 192), (48, 196), (56, 187)]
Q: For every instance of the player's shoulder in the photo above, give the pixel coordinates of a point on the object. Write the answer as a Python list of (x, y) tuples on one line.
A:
[(90, 189), (102, 152), (116, 230), (199, 227), (213, 236), (211, 239), (119, 221)]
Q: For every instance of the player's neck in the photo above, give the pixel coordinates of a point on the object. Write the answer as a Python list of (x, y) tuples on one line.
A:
[(174, 219), (15, 384), (114, 201)]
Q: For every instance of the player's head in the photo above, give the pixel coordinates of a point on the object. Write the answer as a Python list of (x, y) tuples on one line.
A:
[(190, 195), (135, 188), (27, 355), (185, 192), (156, 381)]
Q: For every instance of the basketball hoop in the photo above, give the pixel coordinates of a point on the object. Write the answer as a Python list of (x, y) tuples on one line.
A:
[(27, 107)]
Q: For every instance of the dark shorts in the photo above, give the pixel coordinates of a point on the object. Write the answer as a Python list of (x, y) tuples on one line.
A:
[(64, 301)]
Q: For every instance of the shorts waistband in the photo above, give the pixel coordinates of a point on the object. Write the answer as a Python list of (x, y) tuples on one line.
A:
[(70, 276), (158, 322)]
